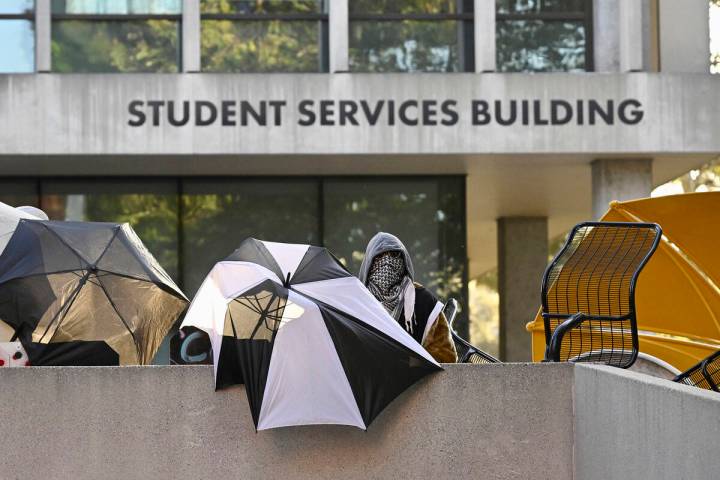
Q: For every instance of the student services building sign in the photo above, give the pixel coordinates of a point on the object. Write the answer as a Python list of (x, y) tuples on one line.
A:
[(375, 114), (384, 113)]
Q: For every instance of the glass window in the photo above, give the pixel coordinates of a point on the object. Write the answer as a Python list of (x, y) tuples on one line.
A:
[(411, 36), (217, 215), (264, 36), (544, 36), (428, 215), (17, 193), (17, 36), (151, 208), (120, 36)]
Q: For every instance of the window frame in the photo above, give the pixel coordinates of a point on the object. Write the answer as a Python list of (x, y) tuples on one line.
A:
[(586, 16)]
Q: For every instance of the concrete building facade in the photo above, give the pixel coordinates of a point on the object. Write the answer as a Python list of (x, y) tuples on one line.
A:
[(472, 140)]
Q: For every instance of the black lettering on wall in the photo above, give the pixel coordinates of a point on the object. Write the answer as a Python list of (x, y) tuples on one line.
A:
[(155, 105), (134, 108), (558, 117), (277, 106), (480, 115), (211, 113), (451, 116), (594, 108), (185, 114), (372, 116), (326, 112), (348, 109), (403, 114), (429, 111), (632, 117), (307, 115), (259, 116), (227, 113), (498, 113)]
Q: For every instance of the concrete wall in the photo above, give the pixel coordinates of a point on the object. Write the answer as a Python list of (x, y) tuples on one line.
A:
[(504, 421), (684, 31), (629, 425), (89, 114), (168, 423)]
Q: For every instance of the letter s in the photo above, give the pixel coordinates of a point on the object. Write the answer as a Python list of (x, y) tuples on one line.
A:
[(134, 109)]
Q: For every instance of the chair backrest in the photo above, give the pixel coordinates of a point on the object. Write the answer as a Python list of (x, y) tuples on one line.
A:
[(467, 353), (595, 274), (705, 374)]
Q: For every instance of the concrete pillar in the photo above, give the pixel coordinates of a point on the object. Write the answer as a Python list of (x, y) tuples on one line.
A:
[(43, 38), (619, 179), (622, 35), (684, 32), (191, 36), (522, 257), (484, 19), (339, 24)]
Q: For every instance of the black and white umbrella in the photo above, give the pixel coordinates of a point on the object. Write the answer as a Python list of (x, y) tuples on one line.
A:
[(308, 340)]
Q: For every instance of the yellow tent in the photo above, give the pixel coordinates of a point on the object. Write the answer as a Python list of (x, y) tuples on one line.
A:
[(678, 292)]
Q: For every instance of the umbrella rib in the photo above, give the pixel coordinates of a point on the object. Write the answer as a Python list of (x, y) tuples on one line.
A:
[(65, 307), (161, 286), (107, 247), (107, 295), (77, 254)]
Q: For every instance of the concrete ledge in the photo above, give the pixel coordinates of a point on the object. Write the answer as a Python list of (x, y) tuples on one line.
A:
[(506, 421), (629, 425), (496, 421)]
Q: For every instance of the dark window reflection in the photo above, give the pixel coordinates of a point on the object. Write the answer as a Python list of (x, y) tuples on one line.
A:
[(537, 46), (17, 193), (217, 216), (427, 215), (262, 46), (544, 35), (264, 36), (410, 6), (115, 46), (538, 6), (411, 36), (151, 208), (406, 46), (262, 6)]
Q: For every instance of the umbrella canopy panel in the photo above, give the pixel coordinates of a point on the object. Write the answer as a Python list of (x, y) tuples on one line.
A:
[(64, 282), (307, 339)]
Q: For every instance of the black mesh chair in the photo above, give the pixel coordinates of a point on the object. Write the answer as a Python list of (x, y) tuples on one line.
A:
[(467, 353), (588, 293), (706, 374)]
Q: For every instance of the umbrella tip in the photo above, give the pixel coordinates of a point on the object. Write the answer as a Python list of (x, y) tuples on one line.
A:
[(286, 284), (614, 204)]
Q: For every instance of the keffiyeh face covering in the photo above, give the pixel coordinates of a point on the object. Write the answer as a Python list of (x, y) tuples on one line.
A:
[(387, 281)]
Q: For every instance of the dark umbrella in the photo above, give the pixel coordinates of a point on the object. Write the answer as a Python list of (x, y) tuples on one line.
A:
[(83, 293)]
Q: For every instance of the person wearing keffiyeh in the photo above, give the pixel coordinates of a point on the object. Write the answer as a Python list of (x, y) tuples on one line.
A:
[(387, 271)]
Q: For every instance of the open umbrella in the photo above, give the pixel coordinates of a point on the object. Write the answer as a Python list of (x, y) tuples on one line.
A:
[(81, 293), (9, 218), (678, 295), (308, 340)]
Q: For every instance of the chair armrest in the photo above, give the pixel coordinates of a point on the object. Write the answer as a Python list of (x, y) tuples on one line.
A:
[(601, 340)]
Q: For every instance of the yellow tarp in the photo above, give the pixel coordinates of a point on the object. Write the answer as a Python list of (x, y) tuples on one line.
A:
[(678, 294)]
